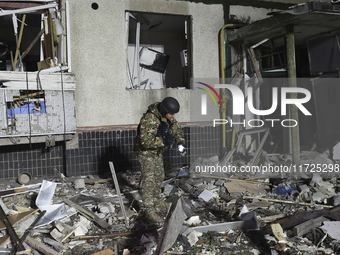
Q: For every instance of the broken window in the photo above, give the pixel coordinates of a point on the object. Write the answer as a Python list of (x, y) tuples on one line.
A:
[(271, 57), (29, 102), (158, 51), (32, 37)]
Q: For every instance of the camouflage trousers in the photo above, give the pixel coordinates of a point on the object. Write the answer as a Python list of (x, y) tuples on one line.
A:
[(152, 170)]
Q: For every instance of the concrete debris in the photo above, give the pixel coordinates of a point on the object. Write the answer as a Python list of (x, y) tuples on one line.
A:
[(191, 236), (216, 213), (336, 152), (193, 220), (79, 184), (309, 225), (332, 228), (56, 245), (206, 195)]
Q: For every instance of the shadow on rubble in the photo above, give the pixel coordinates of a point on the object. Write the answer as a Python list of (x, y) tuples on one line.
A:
[(120, 161)]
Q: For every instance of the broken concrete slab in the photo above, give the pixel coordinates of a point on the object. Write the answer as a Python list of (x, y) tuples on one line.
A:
[(221, 227), (206, 195), (306, 226), (193, 220), (332, 228), (56, 245), (190, 236), (106, 207), (79, 184), (57, 235), (171, 227), (319, 197), (335, 200)]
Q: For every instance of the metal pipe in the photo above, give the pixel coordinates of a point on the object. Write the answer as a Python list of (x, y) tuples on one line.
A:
[(259, 43), (291, 68), (224, 100), (68, 35), (137, 52)]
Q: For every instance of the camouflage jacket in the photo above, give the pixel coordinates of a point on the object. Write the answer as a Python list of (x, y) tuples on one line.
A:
[(147, 142)]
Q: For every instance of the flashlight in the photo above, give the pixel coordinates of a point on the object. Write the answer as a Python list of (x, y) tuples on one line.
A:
[(182, 150)]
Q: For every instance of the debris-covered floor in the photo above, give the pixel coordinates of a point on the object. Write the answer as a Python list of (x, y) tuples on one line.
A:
[(211, 213)]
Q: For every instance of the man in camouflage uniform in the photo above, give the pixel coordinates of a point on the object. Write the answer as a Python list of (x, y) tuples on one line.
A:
[(158, 129)]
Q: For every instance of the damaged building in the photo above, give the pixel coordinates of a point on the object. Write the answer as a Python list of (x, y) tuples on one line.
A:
[(258, 87)]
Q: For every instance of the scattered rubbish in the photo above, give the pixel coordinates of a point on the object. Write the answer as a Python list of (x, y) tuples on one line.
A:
[(278, 233), (332, 228), (43, 248), (44, 198), (206, 195), (286, 188), (118, 193), (193, 220), (171, 227), (309, 225), (209, 214), (241, 187), (24, 178), (107, 251)]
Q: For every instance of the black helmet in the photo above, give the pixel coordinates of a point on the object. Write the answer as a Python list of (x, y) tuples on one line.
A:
[(169, 105)]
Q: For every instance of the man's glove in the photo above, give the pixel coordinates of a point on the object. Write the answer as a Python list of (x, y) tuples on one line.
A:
[(182, 150), (169, 140), (163, 129)]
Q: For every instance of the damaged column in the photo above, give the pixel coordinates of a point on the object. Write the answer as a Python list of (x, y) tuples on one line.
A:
[(293, 110)]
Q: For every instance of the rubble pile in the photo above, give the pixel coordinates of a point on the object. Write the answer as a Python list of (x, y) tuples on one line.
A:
[(210, 213)]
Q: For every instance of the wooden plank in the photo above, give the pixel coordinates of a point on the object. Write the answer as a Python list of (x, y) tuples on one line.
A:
[(33, 86), (113, 235), (32, 44), (40, 246), (28, 96), (118, 193), (29, 9), (306, 226), (17, 218), (286, 201), (230, 179), (17, 52), (27, 231), (107, 251), (12, 191), (4, 240), (32, 77), (87, 213), (10, 230), (16, 5)]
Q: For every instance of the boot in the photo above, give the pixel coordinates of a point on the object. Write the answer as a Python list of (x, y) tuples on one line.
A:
[(153, 217), (162, 206)]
